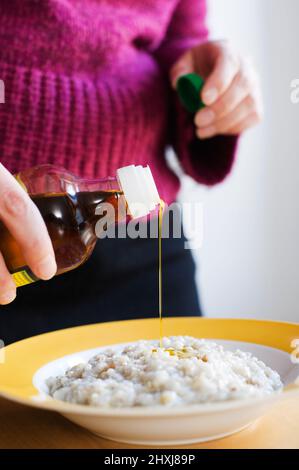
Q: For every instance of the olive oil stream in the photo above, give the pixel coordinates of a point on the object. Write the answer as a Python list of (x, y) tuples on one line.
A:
[(183, 353), (160, 220)]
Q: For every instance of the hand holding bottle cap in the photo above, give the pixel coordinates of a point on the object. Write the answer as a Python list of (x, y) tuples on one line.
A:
[(189, 88)]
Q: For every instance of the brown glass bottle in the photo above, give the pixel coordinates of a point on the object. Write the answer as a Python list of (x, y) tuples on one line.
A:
[(68, 207), (70, 221), (71, 208)]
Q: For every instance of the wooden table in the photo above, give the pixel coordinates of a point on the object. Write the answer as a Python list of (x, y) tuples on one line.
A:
[(27, 428)]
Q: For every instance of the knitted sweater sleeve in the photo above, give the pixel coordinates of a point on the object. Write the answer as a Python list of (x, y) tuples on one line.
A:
[(207, 161)]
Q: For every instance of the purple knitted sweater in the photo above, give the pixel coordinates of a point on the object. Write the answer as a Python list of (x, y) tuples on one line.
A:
[(87, 88)]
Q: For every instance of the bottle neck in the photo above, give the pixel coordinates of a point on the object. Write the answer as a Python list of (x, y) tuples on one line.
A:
[(103, 199), (102, 209), (98, 185)]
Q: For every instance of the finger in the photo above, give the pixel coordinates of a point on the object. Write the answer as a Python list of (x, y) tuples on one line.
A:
[(226, 124), (182, 67), (235, 94), (25, 223), (7, 284), (246, 124), (226, 67)]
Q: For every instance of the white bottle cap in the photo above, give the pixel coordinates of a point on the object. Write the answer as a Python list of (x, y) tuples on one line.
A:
[(139, 188)]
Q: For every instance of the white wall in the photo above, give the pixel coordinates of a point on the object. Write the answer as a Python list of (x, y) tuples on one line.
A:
[(249, 261)]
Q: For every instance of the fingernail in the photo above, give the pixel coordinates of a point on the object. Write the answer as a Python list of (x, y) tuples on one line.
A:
[(46, 268), (210, 96), (7, 297), (205, 117)]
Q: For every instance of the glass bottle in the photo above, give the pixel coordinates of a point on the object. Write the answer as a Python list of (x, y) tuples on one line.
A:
[(70, 208)]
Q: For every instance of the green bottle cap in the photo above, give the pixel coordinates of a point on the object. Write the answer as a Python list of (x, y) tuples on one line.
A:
[(189, 89)]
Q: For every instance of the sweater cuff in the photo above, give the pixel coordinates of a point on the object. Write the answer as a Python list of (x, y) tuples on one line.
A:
[(207, 161)]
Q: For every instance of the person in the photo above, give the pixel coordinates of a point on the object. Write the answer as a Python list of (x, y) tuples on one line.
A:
[(90, 86)]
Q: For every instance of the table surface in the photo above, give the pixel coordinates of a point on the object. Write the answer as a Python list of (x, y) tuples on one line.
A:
[(28, 428)]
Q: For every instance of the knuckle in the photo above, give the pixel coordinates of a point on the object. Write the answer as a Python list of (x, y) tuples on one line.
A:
[(228, 123), (251, 102), (223, 108), (220, 110), (243, 81), (14, 203)]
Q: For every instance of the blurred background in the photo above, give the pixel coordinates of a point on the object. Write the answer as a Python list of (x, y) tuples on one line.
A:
[(249, 260)]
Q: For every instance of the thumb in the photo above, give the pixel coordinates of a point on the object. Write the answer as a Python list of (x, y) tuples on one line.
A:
[(224, 71), (181, 67)]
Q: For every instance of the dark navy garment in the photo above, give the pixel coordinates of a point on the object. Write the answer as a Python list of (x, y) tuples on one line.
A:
[(118, 282)]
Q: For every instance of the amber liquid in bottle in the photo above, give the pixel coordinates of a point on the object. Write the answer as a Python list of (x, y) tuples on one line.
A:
[(70, 220)]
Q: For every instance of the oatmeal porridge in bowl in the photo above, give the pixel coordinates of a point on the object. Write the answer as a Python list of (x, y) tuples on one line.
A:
[(184, 371)]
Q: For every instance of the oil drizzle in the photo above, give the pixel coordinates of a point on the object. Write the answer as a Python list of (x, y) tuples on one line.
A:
[(160, 220)]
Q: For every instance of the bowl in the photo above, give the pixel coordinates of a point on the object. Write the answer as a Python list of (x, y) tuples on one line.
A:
[(28, 363)]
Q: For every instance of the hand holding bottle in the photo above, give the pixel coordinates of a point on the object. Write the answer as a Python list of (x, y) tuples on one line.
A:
[(51, 227), (24, 221)]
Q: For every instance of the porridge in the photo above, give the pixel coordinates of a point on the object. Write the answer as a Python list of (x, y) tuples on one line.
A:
[(185, 371)]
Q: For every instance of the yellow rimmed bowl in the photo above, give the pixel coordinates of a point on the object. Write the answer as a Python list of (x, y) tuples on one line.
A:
[(28, 363)]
